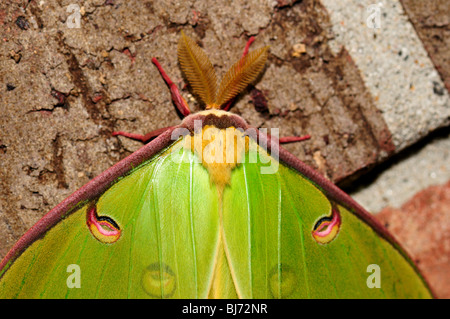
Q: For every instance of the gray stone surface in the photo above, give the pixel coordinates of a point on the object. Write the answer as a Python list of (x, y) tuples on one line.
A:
[(402, 80), (65, 89), (402, 178), (395, 67)]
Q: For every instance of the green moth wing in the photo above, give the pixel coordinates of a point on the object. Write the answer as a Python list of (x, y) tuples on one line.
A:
[(218, 210), (273, 251), (162, 249), (181, 236)]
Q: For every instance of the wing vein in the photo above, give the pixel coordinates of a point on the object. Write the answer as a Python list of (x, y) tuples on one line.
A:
[(279, 236), (249, 232), (191, 220), (174, 232), (302, 238), (158, 224), (263, 194), (62, 257)]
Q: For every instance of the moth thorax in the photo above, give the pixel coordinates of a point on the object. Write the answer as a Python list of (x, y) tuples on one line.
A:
[(220, 150)]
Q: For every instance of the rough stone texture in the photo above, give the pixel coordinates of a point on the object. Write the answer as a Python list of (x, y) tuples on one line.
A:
[(394, 64), (65, 90), (318, 93), (395, 181), (421, 225), (396, 67), (431, 20)]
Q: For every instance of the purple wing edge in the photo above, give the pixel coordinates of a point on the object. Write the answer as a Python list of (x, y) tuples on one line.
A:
[(89, 191), (99, 184), (338, 195)]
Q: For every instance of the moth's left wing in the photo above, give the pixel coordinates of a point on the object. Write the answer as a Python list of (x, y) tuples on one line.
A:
[(152, 234)]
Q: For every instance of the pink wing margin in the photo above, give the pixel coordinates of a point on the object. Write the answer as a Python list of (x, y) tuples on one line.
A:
[(336, 194), (90, 191), (102, 182)]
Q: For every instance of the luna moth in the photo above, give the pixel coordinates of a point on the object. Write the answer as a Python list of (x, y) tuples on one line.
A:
[(211, 208)]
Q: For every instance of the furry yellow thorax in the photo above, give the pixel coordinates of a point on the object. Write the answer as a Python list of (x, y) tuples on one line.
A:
[(220, 151)]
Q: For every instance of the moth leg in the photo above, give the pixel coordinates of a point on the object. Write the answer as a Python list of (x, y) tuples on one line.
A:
[(143, 138), (247, 47), (177, 99), (292, 139), (282, 140)]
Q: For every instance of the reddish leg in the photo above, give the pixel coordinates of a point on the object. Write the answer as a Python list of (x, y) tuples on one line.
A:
[(282, 140), (292, 139), (143, 138), (247, 46), (179, 101), (227, 105)]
